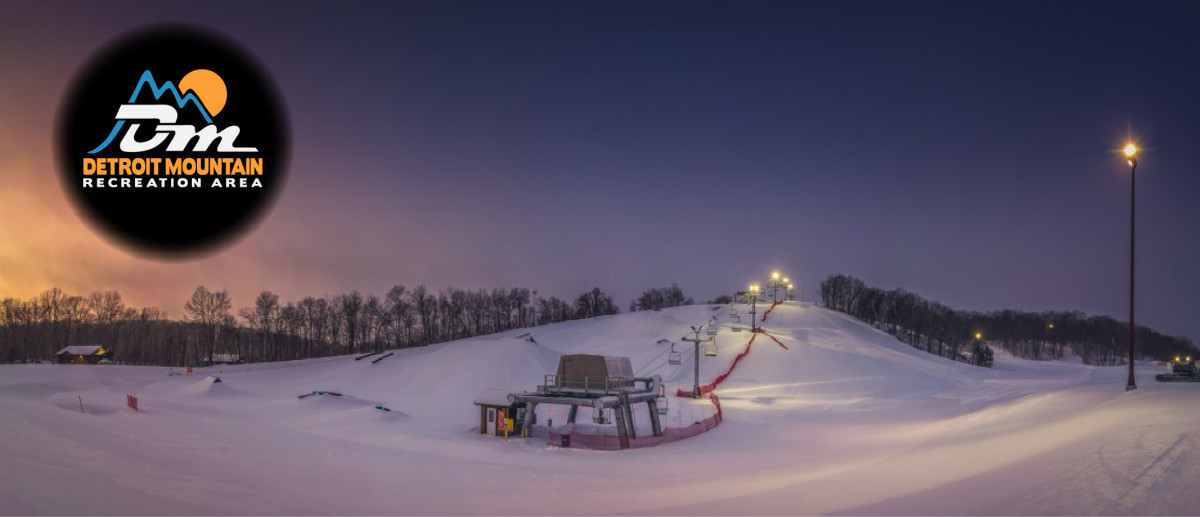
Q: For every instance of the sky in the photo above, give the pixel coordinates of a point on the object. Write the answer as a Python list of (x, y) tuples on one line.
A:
[(966, 151)]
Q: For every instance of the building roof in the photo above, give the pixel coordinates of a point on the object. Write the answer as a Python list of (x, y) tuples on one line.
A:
[(495, 397), (80, 350)]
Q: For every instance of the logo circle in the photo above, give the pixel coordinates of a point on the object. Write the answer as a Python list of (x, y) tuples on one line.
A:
[(172, 141)]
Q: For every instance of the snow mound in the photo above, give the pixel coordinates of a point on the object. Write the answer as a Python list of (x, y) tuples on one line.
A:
[(212, 386)]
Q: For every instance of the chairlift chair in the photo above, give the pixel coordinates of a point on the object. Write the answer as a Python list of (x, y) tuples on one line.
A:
[(661, 400), (710, 349), (674, 358)]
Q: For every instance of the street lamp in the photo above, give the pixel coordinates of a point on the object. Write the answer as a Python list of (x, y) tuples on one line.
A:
[(1046, 341), (1131, 151), (774, 286), (975, 349)]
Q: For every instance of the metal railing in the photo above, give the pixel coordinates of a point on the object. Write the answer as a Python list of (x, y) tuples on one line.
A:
[(555, 384)]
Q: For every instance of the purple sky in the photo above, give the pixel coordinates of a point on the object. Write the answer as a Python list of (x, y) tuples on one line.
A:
[(961, 150)]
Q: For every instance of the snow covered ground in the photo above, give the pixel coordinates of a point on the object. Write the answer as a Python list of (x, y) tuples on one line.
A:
[(847, 420)]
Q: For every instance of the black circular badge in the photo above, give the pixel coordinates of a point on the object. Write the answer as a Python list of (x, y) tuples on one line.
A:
[(173, 141)]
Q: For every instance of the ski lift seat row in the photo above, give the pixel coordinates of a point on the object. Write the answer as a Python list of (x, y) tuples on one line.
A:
[(710, 349), (674, 358)]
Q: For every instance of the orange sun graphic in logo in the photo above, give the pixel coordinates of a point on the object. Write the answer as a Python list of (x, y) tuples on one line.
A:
[(209, 88)]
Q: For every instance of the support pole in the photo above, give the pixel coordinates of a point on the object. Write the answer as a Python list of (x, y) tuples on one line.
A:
[(655, 425), (1132, 384), (753, 312), (628, 409), (622, 431), (696, 359)]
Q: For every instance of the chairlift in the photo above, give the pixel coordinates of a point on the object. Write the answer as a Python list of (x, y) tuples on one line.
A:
[(710, 349), (675, 357), (661, 400), (712, 330)]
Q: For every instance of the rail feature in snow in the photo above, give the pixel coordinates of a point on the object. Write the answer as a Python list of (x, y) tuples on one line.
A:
[(321, 393), (708, 388), (382, 357)]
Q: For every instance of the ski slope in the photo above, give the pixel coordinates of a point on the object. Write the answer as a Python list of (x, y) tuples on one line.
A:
[(845, 420)]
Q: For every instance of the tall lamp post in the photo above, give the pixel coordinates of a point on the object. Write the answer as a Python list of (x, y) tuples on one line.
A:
[(975, 349), (775, 286), (1049, 327), (1131, 151)]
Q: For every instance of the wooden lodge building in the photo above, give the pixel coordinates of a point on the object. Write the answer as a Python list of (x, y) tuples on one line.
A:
[(84, 354)]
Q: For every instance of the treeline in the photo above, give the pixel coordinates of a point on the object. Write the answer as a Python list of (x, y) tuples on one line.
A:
[(938, 329), (272, 330), (660, 298)]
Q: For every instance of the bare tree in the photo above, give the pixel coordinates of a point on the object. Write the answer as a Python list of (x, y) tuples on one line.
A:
[(210, 309)]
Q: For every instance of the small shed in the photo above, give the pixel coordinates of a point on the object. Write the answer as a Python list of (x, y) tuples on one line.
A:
[(84, 354), (492, 404), (223, 359)]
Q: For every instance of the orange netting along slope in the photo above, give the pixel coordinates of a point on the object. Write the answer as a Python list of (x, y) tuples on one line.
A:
[(708, 388), (771, 308)]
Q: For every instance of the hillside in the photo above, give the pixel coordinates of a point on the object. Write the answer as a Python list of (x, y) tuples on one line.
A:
[(845, 419)]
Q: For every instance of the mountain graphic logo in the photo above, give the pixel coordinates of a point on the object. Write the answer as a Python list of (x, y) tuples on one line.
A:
[(209, 83), (172, 141)]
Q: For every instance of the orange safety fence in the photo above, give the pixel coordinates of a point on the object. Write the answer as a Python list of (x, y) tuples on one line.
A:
[(609, 441), (708, 388), (771, 308)]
